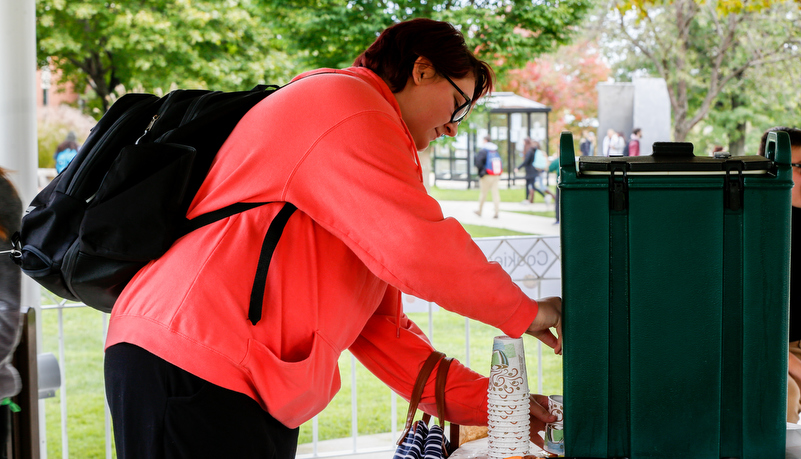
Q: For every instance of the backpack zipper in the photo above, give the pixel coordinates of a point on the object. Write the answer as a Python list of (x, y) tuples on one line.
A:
[(148, 128), (197, 106)]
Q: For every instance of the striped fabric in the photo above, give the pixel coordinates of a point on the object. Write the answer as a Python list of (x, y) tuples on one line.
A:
[(422, 443)]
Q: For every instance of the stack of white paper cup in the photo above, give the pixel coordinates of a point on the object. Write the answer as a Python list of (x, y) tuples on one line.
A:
[(508, 400)]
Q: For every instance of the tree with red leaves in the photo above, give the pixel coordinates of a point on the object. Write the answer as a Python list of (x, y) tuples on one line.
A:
[(565, 81)]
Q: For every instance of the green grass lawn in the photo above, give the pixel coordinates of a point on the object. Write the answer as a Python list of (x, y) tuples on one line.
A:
[(83, 343), (549, 213), (507, 195), (374, 402), (489, 231)]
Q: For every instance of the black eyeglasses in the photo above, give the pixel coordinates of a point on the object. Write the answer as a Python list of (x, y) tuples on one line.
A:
[(796, 165), (461, 111)]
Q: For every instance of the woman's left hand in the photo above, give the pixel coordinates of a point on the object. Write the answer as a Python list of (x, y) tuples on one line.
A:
[(539, 416)]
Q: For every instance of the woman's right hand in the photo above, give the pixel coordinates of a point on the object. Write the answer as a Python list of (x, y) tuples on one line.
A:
[(538, 417), (549, 316)]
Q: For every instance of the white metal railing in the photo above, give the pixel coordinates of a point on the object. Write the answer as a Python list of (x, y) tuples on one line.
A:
[(533, 262)]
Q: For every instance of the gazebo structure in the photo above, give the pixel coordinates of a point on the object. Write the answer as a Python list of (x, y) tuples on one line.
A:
[(507, 118)]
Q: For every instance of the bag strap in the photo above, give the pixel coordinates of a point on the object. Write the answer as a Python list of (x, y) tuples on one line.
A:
[(216, 215), (417, 392), (442, 376), (268, 247)]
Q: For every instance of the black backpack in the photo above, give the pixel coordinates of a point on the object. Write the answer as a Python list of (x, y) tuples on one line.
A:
[(122, 201)]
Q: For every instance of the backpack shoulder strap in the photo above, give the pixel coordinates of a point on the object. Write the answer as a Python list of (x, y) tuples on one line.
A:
[(216, 215), (268, 247)]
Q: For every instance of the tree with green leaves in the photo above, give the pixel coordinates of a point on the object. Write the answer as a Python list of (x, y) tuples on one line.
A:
[(566, 81), (152, 45), (701, 48), (506, 33), (750, 105)]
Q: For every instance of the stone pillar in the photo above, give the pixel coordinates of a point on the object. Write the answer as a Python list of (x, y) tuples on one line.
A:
[(615, 110), (652, 112), (643, 104)]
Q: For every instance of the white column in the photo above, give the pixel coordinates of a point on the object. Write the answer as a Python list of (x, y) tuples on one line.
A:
[(18, 94), (18, 146)]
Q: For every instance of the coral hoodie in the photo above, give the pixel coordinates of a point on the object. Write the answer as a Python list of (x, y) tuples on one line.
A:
[(335, 146)]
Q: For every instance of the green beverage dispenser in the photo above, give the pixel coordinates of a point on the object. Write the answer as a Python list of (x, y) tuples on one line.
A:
[(675, 282)]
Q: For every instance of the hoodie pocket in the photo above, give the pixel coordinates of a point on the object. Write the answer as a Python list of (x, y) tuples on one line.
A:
[(294, 391)]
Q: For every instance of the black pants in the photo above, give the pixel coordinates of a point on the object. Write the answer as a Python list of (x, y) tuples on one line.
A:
[(162, 412), (5, 430)]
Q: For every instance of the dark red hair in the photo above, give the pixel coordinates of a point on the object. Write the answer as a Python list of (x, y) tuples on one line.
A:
[(4, 176), (393, 54), (794, 133)]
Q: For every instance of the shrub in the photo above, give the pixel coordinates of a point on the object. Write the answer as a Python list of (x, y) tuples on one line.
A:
[(53, 124)]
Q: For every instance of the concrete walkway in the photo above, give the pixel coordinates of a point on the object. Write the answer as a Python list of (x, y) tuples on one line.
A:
[(510, 216), (337, 448)]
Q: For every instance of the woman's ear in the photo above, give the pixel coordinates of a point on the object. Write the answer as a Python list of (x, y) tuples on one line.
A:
[(423, 71)]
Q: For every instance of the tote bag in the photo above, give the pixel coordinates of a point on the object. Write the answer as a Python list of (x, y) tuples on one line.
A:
[(418, 441)]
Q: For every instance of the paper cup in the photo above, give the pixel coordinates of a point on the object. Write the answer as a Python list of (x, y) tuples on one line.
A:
[(507, 380), (517, 450), (505, 414), (503, 436), (508, 410), (518, 446), (510, 450), (498, 426), (504, 404), (499, 420), (556, 407), (508, 370), (504, 442), (506, 397), (554, 438)]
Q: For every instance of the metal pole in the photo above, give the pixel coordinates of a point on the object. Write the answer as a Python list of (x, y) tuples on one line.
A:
[(469, 158), (547, 149), (509, 150)]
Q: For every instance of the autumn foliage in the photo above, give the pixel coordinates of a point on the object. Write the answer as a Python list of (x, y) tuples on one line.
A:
[(565, 81)]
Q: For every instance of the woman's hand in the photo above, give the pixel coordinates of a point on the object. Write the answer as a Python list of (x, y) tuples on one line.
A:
[(539, 416), (549, 316)]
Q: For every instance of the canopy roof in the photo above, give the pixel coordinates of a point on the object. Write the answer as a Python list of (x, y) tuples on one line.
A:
[(509, 102)]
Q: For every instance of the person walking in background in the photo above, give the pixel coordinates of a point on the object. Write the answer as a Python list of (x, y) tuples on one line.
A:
[(634, 143), (534, 163), (65, 152), (489, 165), (606, 146), (554, 168), (617, 144), (541, 162), (10, 325), (794, 357), (202, 363), (587, 144)]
